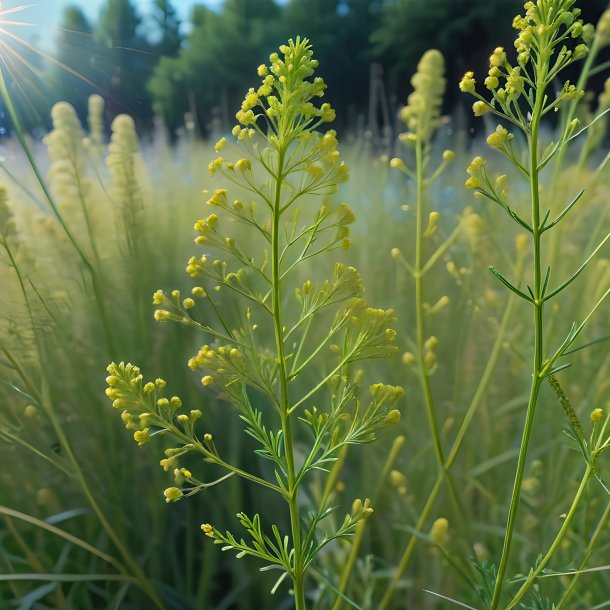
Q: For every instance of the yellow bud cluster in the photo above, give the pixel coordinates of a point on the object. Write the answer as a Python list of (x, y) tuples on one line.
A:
[(475, 169), (468, 83), (499, 137), (440, 532), (206, 528), (195, 266), (422, 113)]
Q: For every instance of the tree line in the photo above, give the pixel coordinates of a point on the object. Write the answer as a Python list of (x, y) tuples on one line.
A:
[(196, 73)]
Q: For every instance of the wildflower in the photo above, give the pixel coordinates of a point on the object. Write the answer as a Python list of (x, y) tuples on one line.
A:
[(207, 529), (220, 144), (440, 532), (467, 84), (243, 165), (475, 165), (514, 82), (597, 415), (422, 112), (141, 436), (408, 358), (448, 155), (480, 108), (397, 163), (499, 137), (492, 82), (498, 58), (172, 494), (219, 197), (215, 165), (393, 417), (30, 411), (580, 52), (397, 478)]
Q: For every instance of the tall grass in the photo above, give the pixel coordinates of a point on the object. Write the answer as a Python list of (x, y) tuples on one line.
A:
[(84, 522)]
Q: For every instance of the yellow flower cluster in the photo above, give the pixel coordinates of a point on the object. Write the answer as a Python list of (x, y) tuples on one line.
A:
[(285, 79), (475, 170), (423, 110), (542, 25), (146, 411), (95, 120), (66, 154)]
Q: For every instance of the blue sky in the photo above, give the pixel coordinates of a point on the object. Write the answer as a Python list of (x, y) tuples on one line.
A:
[(44, 15)]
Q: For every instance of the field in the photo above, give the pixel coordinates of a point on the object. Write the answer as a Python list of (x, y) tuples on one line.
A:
[(490, 340)]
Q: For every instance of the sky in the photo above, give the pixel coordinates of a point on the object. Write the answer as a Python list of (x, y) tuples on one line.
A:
[(44, 15)]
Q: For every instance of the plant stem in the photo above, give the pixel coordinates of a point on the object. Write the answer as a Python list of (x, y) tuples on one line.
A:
[(538, 343), (421, 333), (419, 307), (601, 527), (457, 444), (360, 528), (531, 579), (295, 519)]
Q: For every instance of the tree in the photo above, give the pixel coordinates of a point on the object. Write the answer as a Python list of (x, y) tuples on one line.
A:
[(463, 30), (125, 60), (168, 26), (339, 31), (220, 55), (71, 75)]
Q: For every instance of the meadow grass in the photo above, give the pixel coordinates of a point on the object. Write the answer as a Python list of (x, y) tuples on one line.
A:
[(80, 500)]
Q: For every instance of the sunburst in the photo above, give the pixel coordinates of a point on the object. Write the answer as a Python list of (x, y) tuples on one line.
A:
[(17, 56)]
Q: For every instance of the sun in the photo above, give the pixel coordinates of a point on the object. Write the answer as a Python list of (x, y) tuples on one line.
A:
[(21, 60)]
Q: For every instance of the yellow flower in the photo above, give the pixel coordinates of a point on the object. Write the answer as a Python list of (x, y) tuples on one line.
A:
[(207, 529), (467, 84), (498, 58), (172, 494), (499, 137), (440, 532), (141, 436), (480, 108), (597, 415), (475, 165), (473, 183)]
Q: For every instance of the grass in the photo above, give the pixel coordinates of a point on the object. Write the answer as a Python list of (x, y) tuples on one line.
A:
[(84, 522)]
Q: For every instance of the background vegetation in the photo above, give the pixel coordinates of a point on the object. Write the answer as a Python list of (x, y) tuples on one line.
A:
[(147, 65), (83, 519)]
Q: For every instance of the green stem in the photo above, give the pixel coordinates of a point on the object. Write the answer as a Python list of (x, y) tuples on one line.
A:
[(360, 528), (419, 307), (601, 527), (457, 444), (276, 279), (538, 346), (533, 575), (421, 335)]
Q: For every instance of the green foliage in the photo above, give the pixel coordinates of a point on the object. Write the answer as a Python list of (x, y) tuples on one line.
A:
[(281, 161), (84, 523)]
